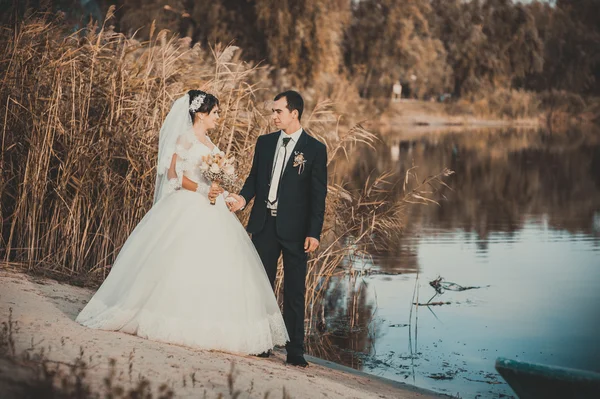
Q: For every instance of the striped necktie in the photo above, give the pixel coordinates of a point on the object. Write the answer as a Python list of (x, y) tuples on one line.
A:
[(277, 172)]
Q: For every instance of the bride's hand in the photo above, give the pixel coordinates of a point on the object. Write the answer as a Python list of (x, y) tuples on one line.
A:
[(214, 192)]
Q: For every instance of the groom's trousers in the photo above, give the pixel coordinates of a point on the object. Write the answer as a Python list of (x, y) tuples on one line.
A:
[(269, 246)]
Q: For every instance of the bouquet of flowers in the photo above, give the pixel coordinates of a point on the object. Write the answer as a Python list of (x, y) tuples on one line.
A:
[(219, 169)]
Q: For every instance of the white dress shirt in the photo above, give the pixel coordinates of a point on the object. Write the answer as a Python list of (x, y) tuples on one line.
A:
[(290, 150)]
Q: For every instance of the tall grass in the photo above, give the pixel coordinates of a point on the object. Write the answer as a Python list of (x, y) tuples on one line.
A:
[(80, 119)]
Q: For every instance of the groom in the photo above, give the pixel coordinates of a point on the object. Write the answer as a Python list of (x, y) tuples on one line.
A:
[(288, 182)]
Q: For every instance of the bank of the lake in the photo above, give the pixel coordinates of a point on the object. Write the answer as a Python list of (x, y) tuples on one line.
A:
[(44, 311), (427, 116)]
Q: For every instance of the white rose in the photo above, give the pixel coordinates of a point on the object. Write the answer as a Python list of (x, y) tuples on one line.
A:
[(214, 168), (229, 169), (204, 166)]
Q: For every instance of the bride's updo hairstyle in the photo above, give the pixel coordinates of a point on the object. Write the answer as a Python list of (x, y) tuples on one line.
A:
[(202, 102)]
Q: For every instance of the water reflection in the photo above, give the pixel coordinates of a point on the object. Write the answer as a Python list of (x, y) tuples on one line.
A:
[(523, 217), (346, 320), (501, 178)]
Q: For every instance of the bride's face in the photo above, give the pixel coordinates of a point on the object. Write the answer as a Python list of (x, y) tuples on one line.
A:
[(210, 120)]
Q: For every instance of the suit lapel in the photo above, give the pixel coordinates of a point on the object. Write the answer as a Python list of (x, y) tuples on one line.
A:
[(298, 148), (270, 147)]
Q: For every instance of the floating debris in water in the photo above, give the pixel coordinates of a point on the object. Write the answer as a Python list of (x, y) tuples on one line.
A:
[(432, 303), (439, 285), (443, 376)]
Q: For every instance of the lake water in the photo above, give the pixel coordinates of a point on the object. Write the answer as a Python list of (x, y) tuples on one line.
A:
[(522, 223)]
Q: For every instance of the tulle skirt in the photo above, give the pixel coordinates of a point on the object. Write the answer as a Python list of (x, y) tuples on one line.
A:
[(189, 275)]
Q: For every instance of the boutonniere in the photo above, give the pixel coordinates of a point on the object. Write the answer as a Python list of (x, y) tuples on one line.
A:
[(299, 161)]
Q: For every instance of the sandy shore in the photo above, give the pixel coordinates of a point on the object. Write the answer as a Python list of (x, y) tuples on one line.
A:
[(418, 117), (45, 311)]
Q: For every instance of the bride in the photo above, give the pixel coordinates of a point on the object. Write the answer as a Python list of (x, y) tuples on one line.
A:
[(188, 274)]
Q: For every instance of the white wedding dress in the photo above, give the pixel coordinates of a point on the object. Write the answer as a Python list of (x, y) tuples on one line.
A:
[(189, 274)]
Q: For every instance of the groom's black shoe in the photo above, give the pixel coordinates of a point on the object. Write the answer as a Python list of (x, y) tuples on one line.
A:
[(264, 354), (297, 360)]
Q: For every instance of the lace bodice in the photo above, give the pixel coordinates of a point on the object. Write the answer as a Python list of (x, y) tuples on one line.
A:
[(189, 151)]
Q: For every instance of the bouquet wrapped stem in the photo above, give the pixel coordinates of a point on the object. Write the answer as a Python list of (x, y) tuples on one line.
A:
[(213, 201)]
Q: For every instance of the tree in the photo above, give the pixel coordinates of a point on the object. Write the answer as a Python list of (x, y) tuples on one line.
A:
[(571, 37), (458, 25), (303, 36), (138, 16), (390, 40), (512, 42), (227, 21), (491, 44)]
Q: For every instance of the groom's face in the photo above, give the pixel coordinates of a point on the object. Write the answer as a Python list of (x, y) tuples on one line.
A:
[(282, 117)]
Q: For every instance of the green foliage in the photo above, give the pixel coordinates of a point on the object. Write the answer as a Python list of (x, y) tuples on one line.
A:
[(390, 40), (432, 46), (489, 44), (571, 34), (303, 36)]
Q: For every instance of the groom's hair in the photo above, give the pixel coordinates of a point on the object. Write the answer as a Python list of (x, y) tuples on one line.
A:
[(294, 101)]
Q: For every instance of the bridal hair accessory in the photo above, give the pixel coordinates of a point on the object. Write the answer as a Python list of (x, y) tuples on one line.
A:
[(299, 161), (197, 103)]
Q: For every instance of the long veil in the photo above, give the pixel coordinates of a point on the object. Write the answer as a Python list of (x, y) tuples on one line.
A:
[(177, 122)]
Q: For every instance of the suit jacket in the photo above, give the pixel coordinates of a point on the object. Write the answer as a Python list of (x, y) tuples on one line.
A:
[(301, 201)]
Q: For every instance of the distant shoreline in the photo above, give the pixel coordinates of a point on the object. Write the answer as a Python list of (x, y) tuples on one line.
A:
[(425, 116)]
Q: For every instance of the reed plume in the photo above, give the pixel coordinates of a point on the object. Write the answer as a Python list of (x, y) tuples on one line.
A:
[(80, 117)]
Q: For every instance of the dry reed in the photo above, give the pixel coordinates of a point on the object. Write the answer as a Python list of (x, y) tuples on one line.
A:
[(80, 117)]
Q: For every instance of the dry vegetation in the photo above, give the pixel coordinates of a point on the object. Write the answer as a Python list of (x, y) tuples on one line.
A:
[(80, 116)]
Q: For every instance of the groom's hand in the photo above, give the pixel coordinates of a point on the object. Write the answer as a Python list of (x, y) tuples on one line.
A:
[(310, 244), (238, 204)]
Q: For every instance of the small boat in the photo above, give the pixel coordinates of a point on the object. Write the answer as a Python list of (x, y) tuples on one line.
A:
[(531, 380)]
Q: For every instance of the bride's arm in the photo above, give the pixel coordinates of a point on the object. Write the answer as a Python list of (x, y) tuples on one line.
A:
[(189, 184), (185, 182)]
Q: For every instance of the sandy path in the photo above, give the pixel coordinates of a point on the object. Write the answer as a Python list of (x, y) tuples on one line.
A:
[(45, 311), (413, 116)]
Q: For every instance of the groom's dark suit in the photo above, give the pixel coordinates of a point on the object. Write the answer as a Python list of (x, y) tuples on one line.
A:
[(300, 213)]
